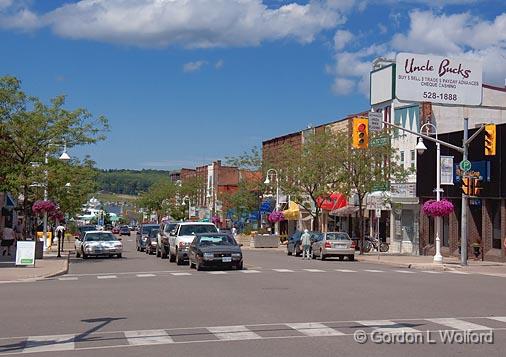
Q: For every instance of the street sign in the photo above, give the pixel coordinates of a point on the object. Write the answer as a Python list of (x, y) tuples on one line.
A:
[(378, 212), (465, 165), (381, 187), (436, 79), (375, 120), (379, 141)]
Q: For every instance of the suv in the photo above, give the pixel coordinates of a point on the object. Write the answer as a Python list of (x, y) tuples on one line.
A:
[(183, 235), (143, 234), (162, 246)]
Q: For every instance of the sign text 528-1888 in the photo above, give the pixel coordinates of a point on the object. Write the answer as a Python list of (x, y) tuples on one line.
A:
[(442, 96)]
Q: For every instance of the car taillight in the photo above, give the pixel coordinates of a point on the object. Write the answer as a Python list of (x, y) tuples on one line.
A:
[(353, 244), (182, 245), (327, 245)]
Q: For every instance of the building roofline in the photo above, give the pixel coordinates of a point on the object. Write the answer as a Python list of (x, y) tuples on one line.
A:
[(489, 86), (282, 137)]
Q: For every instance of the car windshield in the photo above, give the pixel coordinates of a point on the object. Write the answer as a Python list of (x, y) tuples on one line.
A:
[(153, 233), (197, 228), (169, 227), (147, 229), (87, 228), (216, 240), (124, 228), (337, 236), (99, 237), (317, 236)]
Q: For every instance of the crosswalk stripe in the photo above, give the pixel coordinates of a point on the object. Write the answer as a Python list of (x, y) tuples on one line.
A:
[(217, 272), (68, 278), (145, 275), (346, 271), (148, 337), (458, 324), (458, 272), (405, 271), (49, 343), (373, 271), (283, 270), (314, 329), (431, 272), (498, 318), (314, 270), (231, 333), (249, 271), (106, 277), (387, 326), (181, 274)]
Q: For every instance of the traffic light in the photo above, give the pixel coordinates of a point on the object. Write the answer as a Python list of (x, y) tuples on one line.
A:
[(475, 186), (490, 137), (466, 185), (360, 133)]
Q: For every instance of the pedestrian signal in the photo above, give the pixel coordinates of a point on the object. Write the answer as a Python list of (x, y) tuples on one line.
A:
[(360, 133)]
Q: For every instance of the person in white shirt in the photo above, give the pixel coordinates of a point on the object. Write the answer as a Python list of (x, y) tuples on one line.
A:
[(8, 239)]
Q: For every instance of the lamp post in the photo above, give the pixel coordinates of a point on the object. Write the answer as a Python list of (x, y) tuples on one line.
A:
[(64, 157), (420, 148), (267, 182)]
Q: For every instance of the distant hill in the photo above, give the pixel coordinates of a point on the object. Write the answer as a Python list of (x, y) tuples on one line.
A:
[(129, 182)]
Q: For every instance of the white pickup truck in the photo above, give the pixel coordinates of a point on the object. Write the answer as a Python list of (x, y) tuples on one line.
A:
[(182, 237)]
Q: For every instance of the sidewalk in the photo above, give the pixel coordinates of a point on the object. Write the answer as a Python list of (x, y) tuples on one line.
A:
[(426, 263), (47, 267)]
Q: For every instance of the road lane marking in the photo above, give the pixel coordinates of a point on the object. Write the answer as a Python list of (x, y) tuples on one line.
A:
[(145, 275), (106, 277), (346, 271), (68, 278), (216, 272), (181, 274), (405, 271), (458, 272), (387, 326), (498, 318), (249, 271), (314, 329), (233, 333), (374, 271), (314, 270), (431, 272), (458, 324), (49, 343), (283, 270), (148, 337)]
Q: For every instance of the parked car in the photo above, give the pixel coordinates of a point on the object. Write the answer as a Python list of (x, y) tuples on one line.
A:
[(98, 243), (162, 247), (115, 230), (293, 245), (215, 250), (124, 230), (183, 235), (152, 241), (334, 244), (143, 234)]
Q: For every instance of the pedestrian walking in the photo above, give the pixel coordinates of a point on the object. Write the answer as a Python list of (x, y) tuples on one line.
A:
[(19, 228), (8, 239), (305, 241)]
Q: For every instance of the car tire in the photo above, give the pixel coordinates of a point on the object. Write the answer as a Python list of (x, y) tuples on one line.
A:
[(198, 266), (137, 248), (341, 258), (119, 256), (158, 254), (191, 264), (351, 258), (85, 256), (288, 252), (179, 261), (172, 258), (78, 255), (322, 256), (163, 254), (240, 266)]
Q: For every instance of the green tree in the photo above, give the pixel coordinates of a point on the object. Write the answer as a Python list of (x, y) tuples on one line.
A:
[(160, 198)]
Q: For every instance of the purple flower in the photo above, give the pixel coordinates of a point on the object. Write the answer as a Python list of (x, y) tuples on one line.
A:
[(438, 208), (276, 216)]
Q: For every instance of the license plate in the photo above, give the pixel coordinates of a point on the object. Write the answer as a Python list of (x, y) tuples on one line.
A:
[(339, 246), (226, 259)]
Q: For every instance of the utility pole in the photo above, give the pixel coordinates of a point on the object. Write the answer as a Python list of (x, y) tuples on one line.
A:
[(463, 219)]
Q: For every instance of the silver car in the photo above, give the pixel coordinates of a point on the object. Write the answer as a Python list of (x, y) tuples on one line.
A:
[(99, 243), (334, 244)]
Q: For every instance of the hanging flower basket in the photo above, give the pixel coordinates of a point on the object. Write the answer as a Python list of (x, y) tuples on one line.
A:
[(216, 220), (40, 207), (276, 216), (438, 208), (57, 215)]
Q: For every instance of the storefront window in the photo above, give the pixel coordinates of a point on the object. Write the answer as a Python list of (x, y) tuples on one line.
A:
[(496, 223)]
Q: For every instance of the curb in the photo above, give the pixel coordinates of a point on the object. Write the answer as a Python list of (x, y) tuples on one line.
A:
[(63, 271), (416, 266)]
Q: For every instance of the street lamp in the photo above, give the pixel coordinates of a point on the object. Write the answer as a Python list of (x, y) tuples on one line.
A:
[(420, 148), (267, 182)]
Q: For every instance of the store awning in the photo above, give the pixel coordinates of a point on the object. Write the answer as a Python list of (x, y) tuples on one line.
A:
[(344, 211), (293, 212), (335, 201)]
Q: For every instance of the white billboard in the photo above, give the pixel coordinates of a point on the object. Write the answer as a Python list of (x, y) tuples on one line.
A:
[(436, 79), (382, 85)]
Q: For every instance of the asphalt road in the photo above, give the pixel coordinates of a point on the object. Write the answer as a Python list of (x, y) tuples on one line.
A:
[(278, 306)]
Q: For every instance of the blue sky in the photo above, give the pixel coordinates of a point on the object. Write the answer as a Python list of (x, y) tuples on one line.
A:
[(187, 82)]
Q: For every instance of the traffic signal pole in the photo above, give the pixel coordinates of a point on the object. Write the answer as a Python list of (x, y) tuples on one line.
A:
[(463, 218)]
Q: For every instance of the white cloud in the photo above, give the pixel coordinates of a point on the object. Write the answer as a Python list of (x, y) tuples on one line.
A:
[(342, 38), (219, 64), (343, 86), (193, 66), (201, 24)]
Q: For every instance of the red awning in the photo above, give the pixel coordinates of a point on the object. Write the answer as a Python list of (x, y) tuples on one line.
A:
[(335, 201)]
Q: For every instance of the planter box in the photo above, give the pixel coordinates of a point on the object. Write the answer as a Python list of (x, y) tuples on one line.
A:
[(265, 241)]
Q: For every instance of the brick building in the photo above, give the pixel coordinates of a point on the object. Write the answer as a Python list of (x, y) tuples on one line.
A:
[(486, 212)]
